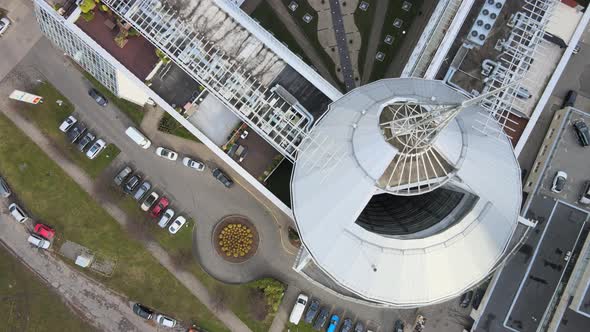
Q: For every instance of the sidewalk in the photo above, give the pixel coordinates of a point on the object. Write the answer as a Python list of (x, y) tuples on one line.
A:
[(187, 279), (97, 304)]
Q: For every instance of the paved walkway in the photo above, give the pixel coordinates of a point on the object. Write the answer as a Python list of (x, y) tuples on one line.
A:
[(345, 63), (98, 305), (86, 183), (374, 39)]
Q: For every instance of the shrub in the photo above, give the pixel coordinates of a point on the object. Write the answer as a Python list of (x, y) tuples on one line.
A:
[(273, 291), (87, 6)]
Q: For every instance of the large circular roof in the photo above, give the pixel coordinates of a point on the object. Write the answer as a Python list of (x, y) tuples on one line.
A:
[(338, 187)]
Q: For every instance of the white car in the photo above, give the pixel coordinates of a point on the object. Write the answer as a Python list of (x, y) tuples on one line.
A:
[(177, 224), (96, 148), (165, 321), (166, 153), (149, 201), (559, 182), (166, 217), (191, 163), (298, 309), (244, 134), (38, 241), (17, 213), (67, 124), (4, 23)]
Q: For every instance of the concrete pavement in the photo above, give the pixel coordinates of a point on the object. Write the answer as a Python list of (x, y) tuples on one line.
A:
[(98, 305)]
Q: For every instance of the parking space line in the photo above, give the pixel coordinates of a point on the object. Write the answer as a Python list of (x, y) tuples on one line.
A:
[(529, 267)]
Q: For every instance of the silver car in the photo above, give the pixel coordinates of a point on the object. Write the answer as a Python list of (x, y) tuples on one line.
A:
[(165, 219), (143, 189)]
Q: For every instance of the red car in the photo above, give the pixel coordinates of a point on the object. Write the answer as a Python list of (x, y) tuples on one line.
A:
[(45, 231), (159, 207)]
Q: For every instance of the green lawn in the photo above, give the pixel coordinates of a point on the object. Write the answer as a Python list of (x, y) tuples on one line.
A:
[(28, 304), (394, 10), (52, 196), (246, 302), (364, 22), (301, 327), (169, 125), (133, 111), (49, 115)]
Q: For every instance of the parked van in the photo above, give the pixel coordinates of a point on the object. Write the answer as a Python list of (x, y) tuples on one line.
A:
[(138, 137), (298, 309), (585, 198)]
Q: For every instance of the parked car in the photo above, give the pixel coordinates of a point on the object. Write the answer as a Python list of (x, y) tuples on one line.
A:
[(244, 134), (138, 137), (334, 320), (84, 141), (584, 198), (466, 299), (77, 131), (166, 217), (149, 201), (346, 325), (576, 49), (143, 189), (191, 163), (159, 207), (44, 231), (17, 213), (312, 311), (4, 188), (582, 132), (143, 311), (559, 181), (98, 97), (166, 153), (132, 183), (359, 327), (122, 175), (298, 309), (4, 24), (398, 326), (67, 124), (177, 224), (165, 321), (38, 241), (570, 99), (219, 175), (477, 297), (322, 319), (96, 148)]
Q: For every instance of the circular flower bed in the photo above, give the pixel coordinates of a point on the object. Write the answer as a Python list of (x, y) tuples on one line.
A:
[(235, 239)]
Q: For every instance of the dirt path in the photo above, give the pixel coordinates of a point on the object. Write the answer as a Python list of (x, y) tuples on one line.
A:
[(97, 304), (86, 183)]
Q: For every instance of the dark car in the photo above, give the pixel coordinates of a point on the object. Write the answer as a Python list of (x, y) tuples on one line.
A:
[(76, 132), (466, 299), (122, 175), (98, 97), (143, 311), (84, 141), (359, 327), (570, 99), (477, 298), (322, 319), (398, 326), (582, 132), (143, 189), (132, 183), (219, 175), (312, 311), (346, 325)]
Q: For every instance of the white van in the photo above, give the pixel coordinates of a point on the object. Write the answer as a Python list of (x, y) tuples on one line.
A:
[(298, 309), (17, 213), (138, 137)]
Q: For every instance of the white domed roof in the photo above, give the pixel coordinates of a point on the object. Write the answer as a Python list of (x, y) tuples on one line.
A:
[(329, 192)]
